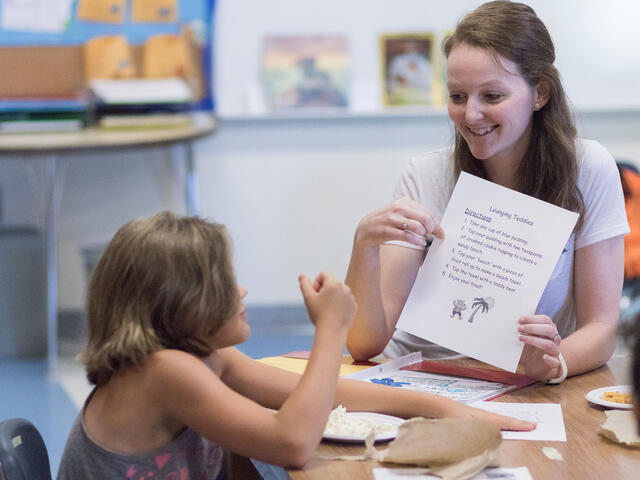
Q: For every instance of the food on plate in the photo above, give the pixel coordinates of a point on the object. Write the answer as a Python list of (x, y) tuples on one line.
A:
[(617, 397), (352, 425)]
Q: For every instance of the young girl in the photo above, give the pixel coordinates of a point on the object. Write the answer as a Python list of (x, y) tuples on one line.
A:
[(170, 390)]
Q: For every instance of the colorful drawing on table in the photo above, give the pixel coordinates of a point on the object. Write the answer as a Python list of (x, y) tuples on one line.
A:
[(389, 381), (500, 250), (464, 390)]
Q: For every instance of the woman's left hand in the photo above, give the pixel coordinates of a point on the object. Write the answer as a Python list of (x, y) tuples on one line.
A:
[(540, 357)]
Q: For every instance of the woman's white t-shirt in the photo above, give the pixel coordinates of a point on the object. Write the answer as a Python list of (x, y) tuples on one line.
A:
[(429, 180)]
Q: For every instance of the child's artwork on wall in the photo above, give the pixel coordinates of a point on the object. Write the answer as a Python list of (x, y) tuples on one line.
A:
[(154, 10), (409, 69), (108, 11), (305, 72)]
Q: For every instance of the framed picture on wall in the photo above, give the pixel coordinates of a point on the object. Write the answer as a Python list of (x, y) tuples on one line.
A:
[(409, 69), (310, 72)]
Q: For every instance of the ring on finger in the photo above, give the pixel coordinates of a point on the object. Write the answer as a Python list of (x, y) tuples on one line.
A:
[(404, 225)]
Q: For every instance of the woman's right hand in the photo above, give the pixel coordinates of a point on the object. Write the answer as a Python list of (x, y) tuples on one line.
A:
[(404, 219), (328, 300)]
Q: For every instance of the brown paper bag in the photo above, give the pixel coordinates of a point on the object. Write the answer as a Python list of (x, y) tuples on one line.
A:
[(155, 10), (108, 56), (111, 11), (452, 448), (431, 442)]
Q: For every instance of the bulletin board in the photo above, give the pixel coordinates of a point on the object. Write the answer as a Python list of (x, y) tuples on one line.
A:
[(42, 41)]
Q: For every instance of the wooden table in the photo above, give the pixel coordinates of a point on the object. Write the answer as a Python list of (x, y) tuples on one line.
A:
[(50, 152), (587, 455)]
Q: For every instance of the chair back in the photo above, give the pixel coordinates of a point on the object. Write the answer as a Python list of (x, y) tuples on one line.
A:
[(23, 454)]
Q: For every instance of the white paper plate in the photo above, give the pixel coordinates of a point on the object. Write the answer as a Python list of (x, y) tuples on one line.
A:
[(377, 418), (595, 396)]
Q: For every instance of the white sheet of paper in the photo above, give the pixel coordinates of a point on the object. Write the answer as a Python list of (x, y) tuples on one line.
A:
[(500, 249), (50, 16), (518, 473), (547, 416)]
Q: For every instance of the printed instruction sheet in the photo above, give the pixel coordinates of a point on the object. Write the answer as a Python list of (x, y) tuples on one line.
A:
[(500, 249)]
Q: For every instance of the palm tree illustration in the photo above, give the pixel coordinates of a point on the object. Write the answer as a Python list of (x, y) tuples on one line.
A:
[(482, 305)]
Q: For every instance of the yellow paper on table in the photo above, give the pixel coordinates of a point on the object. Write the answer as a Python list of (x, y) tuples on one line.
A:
[(111, 11), (297, 365), (167, 56), (155, 10), (108, 56)]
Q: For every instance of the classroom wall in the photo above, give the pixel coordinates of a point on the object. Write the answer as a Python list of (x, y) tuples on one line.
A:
[(292, 191)]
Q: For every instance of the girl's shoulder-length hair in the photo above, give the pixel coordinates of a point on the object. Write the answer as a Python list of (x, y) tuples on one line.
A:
[(162, 282)]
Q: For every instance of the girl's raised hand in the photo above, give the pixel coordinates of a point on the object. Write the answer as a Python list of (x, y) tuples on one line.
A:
[(328, 300), (404, 219)]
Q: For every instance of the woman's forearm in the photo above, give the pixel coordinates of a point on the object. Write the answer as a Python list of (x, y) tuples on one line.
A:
[(589, 347), (369, 332)]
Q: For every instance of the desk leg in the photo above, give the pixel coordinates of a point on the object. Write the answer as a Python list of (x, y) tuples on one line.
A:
[(52, 173), (192, 192)]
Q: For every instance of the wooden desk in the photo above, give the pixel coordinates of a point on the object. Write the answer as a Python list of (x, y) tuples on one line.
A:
[(49, 153), (587, 455)]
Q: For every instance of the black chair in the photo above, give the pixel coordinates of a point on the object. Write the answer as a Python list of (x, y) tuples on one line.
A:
[(23, 454)]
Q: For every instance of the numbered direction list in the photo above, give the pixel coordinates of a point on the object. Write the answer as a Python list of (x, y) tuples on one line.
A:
[(499, 252)]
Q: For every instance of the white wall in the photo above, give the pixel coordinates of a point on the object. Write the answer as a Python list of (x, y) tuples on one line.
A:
[(597, 43), (292, 191)]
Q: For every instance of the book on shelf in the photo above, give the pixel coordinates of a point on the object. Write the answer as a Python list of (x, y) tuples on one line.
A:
[(139, 103), (19, 115), (39, 126), (142, 121), (141, 91)]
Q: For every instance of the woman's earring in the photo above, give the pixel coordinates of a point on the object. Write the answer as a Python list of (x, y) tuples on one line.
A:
[(536, 106)]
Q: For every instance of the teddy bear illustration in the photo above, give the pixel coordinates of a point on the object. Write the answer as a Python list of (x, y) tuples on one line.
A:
[(458, 307)]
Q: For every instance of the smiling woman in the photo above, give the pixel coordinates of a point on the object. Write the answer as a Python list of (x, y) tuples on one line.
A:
[(492, 115), (514, 128)]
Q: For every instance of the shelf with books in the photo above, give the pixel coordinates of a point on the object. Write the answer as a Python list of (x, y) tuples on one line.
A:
[(340, 114), (400, 113)]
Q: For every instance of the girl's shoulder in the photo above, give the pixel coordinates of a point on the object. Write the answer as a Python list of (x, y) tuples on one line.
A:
[(170, 364)]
